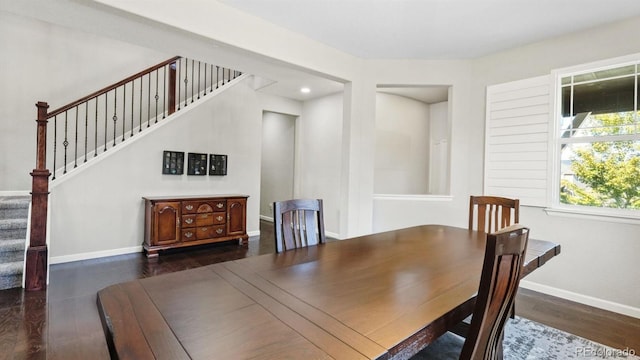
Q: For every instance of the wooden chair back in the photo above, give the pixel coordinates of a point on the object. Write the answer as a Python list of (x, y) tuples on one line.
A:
[(503, 260), (298, 223), (493, 213)]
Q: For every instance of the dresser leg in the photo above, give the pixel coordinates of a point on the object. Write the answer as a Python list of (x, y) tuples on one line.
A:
[(152, 253)]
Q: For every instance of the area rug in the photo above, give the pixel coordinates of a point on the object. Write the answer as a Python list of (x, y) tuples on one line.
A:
[(528, 340)]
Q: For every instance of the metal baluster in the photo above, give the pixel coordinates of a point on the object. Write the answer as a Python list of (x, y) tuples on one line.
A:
[(124, 108), (133, 88), (165, 94), (115, 116), (199, 64), (217, 72), (192, 80), (86, 129), (75, 162), (149, 100), (95, 131), (106, 112), (205, 80), (55, 145), (140, 104), (186, 81), (65, 143), (179, 66), (157, 97), (223, 76)]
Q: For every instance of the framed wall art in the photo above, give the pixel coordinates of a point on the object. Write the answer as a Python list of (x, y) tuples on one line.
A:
[(217, 164), (172, 162), (197, 164)]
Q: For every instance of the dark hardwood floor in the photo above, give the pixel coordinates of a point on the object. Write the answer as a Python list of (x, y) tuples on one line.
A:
[(63, 322)]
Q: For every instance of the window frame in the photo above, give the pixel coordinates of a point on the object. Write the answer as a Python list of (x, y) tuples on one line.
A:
[(555, 141)]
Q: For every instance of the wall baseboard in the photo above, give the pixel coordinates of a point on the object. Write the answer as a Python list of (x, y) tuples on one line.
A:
[(93, 255), (266, 218), (583, 299), (113, 252)]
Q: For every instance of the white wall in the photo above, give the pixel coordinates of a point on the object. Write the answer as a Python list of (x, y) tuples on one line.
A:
[(277, 165), (402, 145), (393, 213), (319, 157), (599, 263), (43, 62), (439, 148)]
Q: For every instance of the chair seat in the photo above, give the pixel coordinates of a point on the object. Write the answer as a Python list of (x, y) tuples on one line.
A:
[(446, 347)]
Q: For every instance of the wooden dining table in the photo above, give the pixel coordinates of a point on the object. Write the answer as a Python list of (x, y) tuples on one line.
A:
[(379, 296)]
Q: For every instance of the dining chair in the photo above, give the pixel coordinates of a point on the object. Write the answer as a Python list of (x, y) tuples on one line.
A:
[(298, 223), (499, 280), (493, 213)]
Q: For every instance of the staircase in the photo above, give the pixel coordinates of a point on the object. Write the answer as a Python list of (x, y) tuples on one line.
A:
[(14, 211), (89, 127)]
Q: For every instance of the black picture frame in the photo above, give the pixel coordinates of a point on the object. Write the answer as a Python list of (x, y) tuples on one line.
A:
[(172, 162), (217, 164), (197, 164)]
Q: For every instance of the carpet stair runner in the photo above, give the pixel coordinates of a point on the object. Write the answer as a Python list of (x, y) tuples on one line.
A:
[(14, 212)]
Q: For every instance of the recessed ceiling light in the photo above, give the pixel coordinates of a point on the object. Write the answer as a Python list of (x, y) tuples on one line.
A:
[(305, 90)]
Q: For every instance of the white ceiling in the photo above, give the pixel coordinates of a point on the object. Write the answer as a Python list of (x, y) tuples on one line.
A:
[(411, 29), (426, 29), (435, 29)]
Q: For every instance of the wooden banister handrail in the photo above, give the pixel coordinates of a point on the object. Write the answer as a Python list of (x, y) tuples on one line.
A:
[(110, 87)]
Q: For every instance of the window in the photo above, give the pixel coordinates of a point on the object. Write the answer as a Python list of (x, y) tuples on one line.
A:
[(598, 140)]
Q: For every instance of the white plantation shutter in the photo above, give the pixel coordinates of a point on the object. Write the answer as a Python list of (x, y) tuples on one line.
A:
[(517, 140)]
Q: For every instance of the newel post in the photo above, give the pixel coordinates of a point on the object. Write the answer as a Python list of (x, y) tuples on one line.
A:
[(36, 262)]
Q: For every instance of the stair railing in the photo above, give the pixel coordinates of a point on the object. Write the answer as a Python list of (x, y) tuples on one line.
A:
[(100, 121)]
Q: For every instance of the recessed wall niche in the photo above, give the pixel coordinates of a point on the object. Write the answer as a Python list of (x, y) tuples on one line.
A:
[(412, 140)]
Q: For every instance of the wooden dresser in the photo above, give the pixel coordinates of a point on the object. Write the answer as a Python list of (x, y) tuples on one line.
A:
[(179, 221)]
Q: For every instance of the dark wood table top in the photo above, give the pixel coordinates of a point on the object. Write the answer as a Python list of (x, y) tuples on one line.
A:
[(378, 296)]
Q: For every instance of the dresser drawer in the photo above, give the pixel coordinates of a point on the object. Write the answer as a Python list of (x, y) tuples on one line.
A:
[(219, 205), (189, 234), (219, 231), (219, 218), (204, 219), (188, 220), (208, 232)]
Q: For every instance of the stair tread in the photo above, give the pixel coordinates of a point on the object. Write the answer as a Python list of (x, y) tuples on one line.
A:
[(19, 223), (14, 202), (12, 244), (11, 268)]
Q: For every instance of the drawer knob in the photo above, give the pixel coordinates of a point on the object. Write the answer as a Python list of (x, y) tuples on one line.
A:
[(189, 221), (219, 218), (220, 205), (188, 234), (189, 207), (219, 231)]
